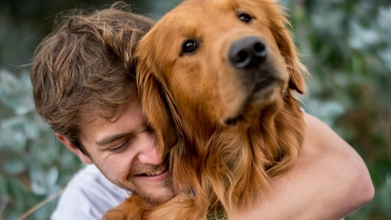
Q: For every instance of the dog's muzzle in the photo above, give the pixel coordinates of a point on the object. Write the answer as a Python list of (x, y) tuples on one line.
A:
[(250, 58)]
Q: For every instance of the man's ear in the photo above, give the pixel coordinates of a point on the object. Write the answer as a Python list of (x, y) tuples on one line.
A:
[(84, 158)]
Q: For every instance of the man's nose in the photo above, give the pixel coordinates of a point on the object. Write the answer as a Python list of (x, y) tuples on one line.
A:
[(149, 153)]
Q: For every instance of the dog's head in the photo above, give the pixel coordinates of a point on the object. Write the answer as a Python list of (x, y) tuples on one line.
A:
[(216, 62)]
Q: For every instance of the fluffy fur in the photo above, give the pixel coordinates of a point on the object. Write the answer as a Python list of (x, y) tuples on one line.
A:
[(233, 116)]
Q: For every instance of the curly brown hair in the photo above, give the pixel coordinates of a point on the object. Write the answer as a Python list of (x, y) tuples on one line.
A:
[(85, 68)]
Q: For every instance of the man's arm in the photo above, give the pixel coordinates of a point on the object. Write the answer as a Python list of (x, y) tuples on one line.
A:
[(328, 181)]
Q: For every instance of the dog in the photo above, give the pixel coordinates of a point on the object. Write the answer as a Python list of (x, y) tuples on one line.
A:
[(218, 78)]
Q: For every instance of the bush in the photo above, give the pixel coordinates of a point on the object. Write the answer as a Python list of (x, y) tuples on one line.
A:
[(33, 164), (346, 46)]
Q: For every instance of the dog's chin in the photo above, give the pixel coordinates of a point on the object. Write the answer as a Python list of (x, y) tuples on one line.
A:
[(262, 84), (265, 93)]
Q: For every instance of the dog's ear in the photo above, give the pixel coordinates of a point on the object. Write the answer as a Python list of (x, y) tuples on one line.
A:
[(156, 103), (297, 70)]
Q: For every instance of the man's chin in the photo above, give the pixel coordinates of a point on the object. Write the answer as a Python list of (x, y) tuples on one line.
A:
[(156, 199), (155, 192)]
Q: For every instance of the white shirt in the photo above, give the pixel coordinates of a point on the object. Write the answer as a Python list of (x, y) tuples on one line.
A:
[(88, 195)]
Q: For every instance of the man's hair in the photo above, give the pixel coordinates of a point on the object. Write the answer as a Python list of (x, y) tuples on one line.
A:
[(85, 68)]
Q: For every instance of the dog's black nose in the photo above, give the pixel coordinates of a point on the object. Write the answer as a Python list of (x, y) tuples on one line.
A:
[(247, 52)]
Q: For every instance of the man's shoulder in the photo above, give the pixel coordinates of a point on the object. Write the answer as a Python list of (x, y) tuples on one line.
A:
[(88, 195)]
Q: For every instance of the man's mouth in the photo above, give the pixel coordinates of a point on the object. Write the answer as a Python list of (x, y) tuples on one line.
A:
[(150, 170), (153, 173)]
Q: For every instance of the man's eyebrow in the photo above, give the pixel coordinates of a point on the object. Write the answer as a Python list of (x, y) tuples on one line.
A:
[(110, 139)]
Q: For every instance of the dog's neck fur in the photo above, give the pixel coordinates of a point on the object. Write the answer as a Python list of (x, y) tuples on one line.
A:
[(235, 161)]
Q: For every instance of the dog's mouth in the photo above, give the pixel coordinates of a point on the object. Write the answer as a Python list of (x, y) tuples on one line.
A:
[(262, 83), (259, 88)]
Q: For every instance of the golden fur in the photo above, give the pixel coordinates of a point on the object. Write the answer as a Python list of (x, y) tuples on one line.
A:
[(227, 128)]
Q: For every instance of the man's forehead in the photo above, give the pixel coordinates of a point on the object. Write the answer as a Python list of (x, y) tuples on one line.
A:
[(97, 127)]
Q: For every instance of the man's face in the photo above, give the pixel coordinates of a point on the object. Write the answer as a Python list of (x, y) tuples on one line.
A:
[(126, 153)]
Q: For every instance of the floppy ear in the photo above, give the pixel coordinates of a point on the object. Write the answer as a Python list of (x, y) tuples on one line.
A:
[(156, 103), (295, 67), (288, 50)]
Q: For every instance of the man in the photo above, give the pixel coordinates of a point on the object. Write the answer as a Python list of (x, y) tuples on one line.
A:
[(84, 87)]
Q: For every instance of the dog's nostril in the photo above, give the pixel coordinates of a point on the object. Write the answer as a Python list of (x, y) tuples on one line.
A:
[(259, 48), (260, 51), (247, 52), (242, 56)]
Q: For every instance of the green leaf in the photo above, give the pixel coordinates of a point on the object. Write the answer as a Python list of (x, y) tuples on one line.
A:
[(14, 167), (52, 177), (45, 153), (38, 181), (12, 140), (3, 187), (17, 192), (16, 92)]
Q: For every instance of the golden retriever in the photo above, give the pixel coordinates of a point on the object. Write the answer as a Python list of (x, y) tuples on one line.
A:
[(221, 75)]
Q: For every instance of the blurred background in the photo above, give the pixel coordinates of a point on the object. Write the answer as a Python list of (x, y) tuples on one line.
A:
[(346, 46)]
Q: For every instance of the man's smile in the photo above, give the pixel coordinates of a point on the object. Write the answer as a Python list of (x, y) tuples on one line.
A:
[(160, 171)]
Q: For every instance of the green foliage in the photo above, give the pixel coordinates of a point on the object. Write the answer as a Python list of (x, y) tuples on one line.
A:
[(33, 164), (346, 46)]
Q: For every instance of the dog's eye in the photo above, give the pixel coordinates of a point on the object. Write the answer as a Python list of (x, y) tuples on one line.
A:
[(246, 18), (189, 46)]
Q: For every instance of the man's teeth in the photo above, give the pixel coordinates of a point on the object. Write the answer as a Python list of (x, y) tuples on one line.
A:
[(154, 173)]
